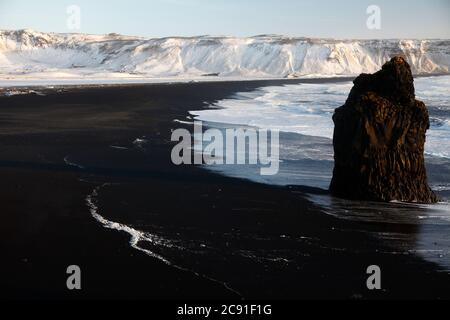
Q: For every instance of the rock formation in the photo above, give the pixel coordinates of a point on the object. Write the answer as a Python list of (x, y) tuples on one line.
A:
[(379, 139)]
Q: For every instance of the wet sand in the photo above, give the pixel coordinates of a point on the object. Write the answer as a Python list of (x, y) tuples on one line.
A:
[(46, 223)]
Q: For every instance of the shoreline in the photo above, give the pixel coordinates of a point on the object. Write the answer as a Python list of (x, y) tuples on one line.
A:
[(70, 84), (47, 225), (22, 89)]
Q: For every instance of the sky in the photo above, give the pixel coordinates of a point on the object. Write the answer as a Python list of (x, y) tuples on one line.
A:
[(161, 18)]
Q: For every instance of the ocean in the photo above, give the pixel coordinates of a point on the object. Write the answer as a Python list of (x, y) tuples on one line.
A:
[(267, 236), (303, 114)]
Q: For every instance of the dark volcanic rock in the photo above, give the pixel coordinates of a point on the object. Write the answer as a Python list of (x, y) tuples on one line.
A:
[(379, 139)]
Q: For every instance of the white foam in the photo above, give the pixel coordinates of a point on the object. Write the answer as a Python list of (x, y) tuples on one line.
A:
[(137, 238), (118, 147), (308, 108), (71, 163)]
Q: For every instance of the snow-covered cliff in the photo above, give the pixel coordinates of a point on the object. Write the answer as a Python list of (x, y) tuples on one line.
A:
[(27, 52)]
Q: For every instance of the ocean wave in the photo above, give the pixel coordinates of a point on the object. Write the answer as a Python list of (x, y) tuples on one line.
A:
[(307, 109)]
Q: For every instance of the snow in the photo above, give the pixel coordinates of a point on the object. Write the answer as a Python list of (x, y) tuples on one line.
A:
[(28, 56)]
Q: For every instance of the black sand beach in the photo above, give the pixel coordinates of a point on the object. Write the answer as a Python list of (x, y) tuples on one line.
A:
[(46, 223)]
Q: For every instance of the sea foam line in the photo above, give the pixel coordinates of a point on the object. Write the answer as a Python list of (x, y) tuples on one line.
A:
[(73, 164), (137, 236)]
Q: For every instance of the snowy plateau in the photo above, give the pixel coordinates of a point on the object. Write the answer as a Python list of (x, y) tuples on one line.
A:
[(31, 55)]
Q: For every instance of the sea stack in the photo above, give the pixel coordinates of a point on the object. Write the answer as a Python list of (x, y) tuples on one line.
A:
[(379, 139)]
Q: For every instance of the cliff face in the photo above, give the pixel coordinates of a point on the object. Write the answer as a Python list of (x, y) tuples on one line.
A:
[(379, 139), (30, 52)]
